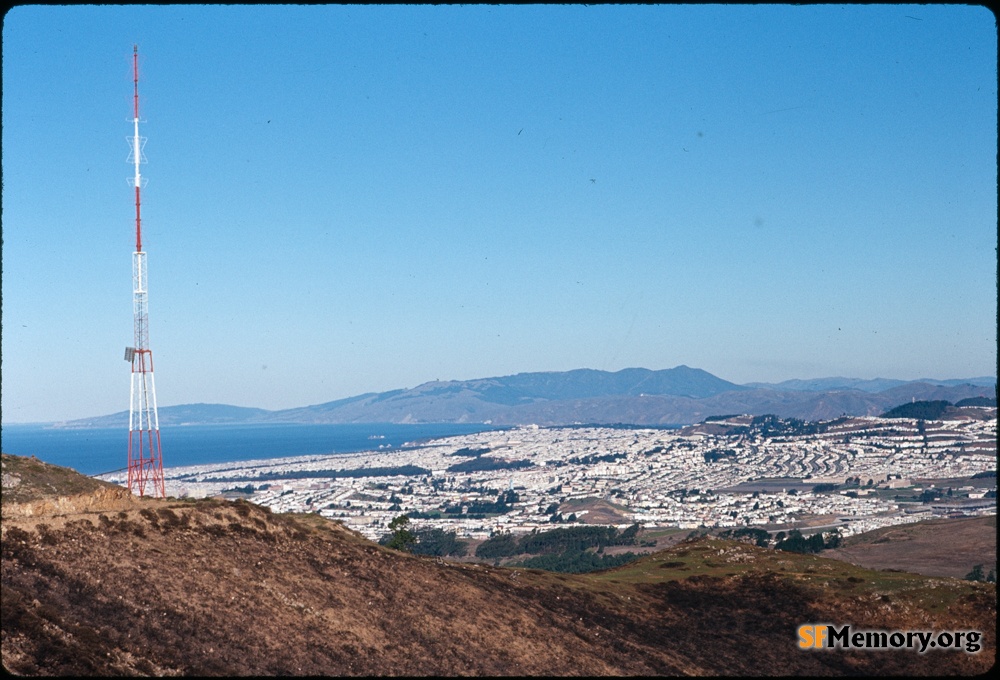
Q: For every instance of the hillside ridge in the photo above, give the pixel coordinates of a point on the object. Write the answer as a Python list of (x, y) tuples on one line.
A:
[(211, 587), (676, 396)]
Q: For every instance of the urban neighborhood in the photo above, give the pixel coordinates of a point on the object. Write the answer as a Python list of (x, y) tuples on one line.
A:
[(854, 474)]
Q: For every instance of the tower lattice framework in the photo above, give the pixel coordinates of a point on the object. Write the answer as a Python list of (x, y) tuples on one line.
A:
[(145, 461)]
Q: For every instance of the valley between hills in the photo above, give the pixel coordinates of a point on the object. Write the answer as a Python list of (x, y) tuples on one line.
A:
[(98, 582)]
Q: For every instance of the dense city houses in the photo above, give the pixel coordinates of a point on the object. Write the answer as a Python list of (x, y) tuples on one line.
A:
[(855, 474)]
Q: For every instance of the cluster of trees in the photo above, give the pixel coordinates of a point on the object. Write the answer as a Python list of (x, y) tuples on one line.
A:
[(400, 471), (977, 575), (578, 538), (597, 458), (772, 426), (504, 503), (248, 489), (717, 454), (823, 488), (921, 410), (929, 495), (579, 562), (933, 410), (682, 493), (565, 549), (470, 453), (556, 541), (796, 542), (760, 537), (977, 401), (483, 463), (503, 544), (399, 537), (439, 543), (436, 542)]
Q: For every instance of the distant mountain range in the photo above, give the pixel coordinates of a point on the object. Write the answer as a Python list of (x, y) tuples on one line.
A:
[(673, 396), (874, 385)]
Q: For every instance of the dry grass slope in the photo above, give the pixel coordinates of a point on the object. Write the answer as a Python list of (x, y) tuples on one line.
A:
[(216, 588), (945, 547)]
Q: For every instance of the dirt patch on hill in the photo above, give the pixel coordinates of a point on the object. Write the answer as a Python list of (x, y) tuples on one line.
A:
[(49, 509), (29, 480), (35, 489)]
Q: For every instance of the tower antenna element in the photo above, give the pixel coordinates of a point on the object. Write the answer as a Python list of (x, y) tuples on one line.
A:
[(145, 461)]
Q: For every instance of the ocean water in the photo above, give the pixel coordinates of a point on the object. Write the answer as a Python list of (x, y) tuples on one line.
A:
[(98, 450)]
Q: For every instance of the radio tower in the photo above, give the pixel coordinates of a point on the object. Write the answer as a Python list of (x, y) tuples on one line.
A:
[(145, 464)]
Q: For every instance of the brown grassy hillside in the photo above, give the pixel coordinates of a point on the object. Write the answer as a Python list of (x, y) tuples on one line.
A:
[(943, 547), (216, 588)]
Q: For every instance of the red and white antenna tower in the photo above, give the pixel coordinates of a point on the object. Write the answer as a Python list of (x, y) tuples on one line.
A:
[(145, 463)]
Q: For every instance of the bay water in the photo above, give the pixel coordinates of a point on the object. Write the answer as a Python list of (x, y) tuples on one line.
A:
[(93, 451)]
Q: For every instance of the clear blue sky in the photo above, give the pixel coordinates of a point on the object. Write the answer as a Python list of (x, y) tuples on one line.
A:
[(349, 199)]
